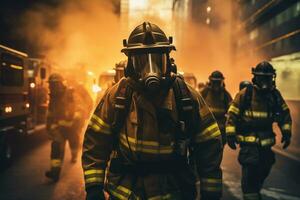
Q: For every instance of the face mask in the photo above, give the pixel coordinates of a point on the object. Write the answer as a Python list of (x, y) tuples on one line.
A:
[(151, 68), (265, 83), (216, 85)]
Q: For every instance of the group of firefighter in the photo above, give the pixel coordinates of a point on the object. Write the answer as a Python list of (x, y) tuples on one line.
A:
[(152, 136)]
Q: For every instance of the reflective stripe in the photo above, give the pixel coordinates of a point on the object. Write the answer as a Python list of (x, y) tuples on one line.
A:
[(217, 110), (286, 127), (256, 114), (65, 123), (251, 196), (94, 171), (94, 180), (234, 109), (211, 184), (267, 142), (284, 106), (230, 130), (152, 147), (254, 139), (210, 132), (249, 139), (98, 125), (120, 192), (164, 197), (56, 162)]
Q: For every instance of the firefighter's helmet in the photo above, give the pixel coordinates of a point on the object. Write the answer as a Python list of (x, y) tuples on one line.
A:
[(55, 77), (264, 76), (264, 69), (244, 84), (147, 37), (148, 51), (216, 76)]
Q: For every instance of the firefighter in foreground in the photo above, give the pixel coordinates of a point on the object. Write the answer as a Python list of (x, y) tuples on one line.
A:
[(218, 99), (251, 115), (62, 121), (145, 125)]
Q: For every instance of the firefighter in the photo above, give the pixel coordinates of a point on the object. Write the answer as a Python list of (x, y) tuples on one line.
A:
[(119, 68), (250, 117), (145, 126), (61, 120), (218, 99)]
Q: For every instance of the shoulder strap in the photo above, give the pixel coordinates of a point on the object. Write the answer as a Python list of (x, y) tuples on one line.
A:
[(186, 106), (123, 98), (246, 99)]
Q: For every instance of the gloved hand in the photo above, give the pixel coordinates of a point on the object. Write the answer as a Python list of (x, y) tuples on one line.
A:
[(95, 193), (286, 140), (231, 141)]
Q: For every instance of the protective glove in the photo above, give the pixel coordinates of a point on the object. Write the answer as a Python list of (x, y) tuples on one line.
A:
[(95, 193), (231, 141), (286, 140)]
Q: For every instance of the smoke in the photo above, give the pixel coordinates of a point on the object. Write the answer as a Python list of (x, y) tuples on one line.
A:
[(75, 34), (87, 35)]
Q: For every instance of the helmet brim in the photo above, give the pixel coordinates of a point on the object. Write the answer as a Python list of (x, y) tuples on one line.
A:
[(149, 48)]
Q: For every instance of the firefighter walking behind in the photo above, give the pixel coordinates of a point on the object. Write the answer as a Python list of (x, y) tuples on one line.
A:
[(218, 99), (62, 119), (250, 117), (149, 127)]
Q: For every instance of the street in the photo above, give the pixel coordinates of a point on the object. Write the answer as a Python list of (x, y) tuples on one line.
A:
[(25, 180)]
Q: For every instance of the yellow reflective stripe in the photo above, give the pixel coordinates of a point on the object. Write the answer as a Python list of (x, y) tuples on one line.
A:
[(268, 141), (286, 127), (93, 171), (284, 107), (211, 180), (230, 130), (145, 146), (65, 123), (98, 128), (250, 139), (210, 132), (120, 192), (56, 162), (162, 197), (99, 125), (94, 180), (256, 114), (100, 121), (234, 109), (217, 110)]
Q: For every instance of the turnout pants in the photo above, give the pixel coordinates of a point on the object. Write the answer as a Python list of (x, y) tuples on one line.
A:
[(58, 144), (256, 165)]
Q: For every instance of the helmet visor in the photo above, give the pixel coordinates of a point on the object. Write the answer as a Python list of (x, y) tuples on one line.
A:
[(149, 63), (265, 82)]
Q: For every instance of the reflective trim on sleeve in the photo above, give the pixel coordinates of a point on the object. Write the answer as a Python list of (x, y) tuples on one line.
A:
[(230, 130), (210, 132), (120, 192), (56, 162), (234, 109), (284, 107), (94, 180), (99, 125), (94, 171), (286, 127)]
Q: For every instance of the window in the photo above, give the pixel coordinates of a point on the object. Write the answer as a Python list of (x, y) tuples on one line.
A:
[(11, 70)]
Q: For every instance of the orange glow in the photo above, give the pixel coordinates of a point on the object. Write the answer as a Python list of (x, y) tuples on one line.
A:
[(8, 109), (32, 85)]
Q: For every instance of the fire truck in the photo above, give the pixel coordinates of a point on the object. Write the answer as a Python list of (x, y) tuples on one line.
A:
[(23, 99)]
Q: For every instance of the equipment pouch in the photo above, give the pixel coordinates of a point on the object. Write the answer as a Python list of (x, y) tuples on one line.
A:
[(249, 154)]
